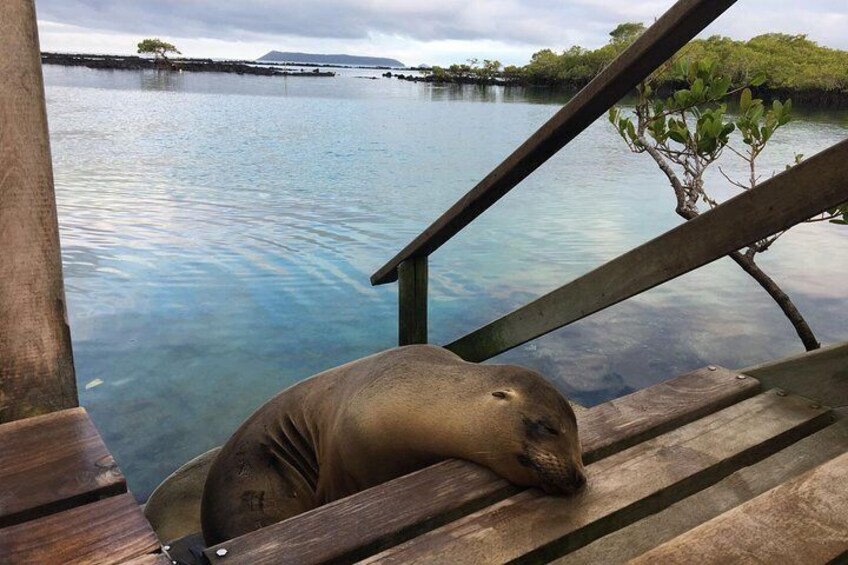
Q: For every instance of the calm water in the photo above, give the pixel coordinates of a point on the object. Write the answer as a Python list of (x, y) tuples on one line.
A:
[(219, 231)]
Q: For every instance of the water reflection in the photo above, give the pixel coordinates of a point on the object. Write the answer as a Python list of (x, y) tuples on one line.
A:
[(161, 80)]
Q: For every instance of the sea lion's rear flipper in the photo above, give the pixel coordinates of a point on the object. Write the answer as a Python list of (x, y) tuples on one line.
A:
[(174, 507)]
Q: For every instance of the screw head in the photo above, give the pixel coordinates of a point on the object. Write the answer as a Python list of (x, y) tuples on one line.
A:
[(166, 547), (815, 406), (740, 377), (221, 552), (712, 367), (781, 393)]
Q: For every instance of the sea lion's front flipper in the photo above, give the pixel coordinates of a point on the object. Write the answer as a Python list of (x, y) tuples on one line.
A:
[(174, 507)]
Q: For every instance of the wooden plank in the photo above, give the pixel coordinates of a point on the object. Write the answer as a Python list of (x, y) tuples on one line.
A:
[(803, 521), (626, 421), (821, 374), (412, 301), (153, 559), (627, 543), (36, 365), (108, 531), (367, 522), (815, 185), (673, 30), (53, 462), (625, 487)]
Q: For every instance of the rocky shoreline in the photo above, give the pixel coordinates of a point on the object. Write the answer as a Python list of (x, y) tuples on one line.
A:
[(809, 98), (132, 63)]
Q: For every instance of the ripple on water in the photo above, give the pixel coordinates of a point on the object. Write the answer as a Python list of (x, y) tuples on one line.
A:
[(219, 232)]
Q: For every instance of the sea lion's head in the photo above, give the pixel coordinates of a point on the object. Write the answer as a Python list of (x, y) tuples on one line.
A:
[(533, 431)]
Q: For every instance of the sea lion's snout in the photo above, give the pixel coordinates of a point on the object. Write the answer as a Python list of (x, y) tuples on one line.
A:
[(567, 482), (574, 482)]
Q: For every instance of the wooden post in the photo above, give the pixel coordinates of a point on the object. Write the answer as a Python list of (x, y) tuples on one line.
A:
[(36, 365), (412, 301)]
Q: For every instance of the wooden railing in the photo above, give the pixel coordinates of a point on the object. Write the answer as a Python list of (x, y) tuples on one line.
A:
[(818, 184)]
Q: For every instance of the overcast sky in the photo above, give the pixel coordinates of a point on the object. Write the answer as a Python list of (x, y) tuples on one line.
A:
[(413, 31)]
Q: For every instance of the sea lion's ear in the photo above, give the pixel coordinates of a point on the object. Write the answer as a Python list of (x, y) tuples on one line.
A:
[(502, 394)]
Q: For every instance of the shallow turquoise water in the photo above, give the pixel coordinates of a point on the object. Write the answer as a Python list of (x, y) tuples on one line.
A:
[(218, 234)]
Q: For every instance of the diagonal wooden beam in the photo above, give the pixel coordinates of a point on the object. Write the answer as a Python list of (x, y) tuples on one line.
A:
[(673, 30), (816, 185)]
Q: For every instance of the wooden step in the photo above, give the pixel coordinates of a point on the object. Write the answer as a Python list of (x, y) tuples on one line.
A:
[(743, 485), (625, 487), (51, 463), (398, 510), (803, 521), (109, 531)]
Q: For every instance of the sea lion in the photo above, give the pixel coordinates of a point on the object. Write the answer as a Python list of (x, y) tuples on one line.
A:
[(375, 419)]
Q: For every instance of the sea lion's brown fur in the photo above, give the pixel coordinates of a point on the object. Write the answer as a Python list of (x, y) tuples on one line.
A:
[(381, 417)]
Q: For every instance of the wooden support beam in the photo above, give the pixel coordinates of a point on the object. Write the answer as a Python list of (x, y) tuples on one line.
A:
[(821, 374), (36, 365), (412, 301), (673, 30), (816, 185)]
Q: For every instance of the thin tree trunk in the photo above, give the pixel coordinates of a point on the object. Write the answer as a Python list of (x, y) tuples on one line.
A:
[(686, 210), (805, 333), (795, 318)]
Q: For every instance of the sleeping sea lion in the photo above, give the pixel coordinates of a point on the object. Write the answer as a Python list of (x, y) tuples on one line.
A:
[(375, 419)]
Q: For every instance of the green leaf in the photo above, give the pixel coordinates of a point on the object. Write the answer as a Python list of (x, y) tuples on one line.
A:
[(676, 136), (759, 79), (745, 100)]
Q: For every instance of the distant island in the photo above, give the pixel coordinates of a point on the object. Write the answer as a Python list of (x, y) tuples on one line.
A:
[(322, 59)]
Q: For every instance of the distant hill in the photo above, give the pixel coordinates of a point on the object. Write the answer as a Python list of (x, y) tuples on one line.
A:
[(319, 59)]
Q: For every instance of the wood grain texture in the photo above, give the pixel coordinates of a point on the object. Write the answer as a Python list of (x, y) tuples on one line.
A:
[(821, 374), (817, 184), (635, 539), (626, 421), (412, 301), (388, 514), (36, 365), (153, 559), (801, 522), (683, 21), (53, 462), (622, 488), (112, 530)]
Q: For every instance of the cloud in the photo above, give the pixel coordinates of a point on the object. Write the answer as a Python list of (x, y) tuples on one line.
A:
[(533, 22), (421, 31)]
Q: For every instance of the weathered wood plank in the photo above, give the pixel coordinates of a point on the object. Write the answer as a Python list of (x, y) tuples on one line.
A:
[(634, 540), (36, 365), (821, 374), (153, 559), (412, 301), (388, 514), (622, 488), (53, 462), (618, 424), (108, 531), (803, 522), (815, 185), (673, 30)]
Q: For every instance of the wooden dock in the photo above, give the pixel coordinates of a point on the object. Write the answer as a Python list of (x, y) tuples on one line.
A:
[(706, 467)]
